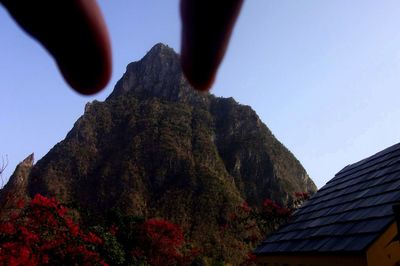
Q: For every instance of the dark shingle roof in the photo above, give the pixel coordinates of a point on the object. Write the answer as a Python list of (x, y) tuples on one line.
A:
[(348, 213)]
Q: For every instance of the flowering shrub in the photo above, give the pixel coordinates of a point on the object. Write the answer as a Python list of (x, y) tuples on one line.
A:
[(299, 199), (162, 243), (41, 233), (243, 224), (112, 251), (302, 195), (250, 225), (250, 260), (272, 215)]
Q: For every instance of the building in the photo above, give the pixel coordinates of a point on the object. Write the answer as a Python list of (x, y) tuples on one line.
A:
[(352, 220)]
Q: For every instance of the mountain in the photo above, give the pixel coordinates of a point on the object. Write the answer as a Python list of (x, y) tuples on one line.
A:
[(156, 147), (17, 185)]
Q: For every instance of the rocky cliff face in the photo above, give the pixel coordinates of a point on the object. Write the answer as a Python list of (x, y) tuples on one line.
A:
[(258, 163), (156, 147), (17, 185)]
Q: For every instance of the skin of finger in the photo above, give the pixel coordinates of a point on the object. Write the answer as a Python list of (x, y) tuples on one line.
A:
[(207, 26), (74, 33)]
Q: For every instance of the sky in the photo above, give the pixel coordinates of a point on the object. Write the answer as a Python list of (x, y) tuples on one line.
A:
[(324, 76)]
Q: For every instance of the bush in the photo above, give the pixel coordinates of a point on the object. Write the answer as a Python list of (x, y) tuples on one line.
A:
[(42, 233)]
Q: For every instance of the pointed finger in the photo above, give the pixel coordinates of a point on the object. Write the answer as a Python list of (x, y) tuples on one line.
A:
[(74, 33), (206, 29)]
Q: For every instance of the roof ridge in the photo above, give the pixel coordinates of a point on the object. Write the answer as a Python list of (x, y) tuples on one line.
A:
[(355, 170), (389, 221), (324, 188), (377, 155), (322, 236), (347, 211), (316, 196)]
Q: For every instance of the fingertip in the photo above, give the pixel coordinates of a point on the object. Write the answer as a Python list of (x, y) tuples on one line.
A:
[(196, 74), (91, 69), (89, 81), (74, 33), (206, 29)]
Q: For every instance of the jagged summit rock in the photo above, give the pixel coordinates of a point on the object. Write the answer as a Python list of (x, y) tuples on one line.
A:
[(20, 176), (16, 187), (162, 53), (157, 74)]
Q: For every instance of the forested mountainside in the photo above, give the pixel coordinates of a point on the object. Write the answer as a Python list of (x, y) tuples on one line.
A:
[(157, 148)]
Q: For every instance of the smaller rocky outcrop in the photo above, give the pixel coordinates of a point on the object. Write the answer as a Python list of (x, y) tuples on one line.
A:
[(16, 188)]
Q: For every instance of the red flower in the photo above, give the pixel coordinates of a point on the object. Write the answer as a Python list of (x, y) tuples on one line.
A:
[(20, 204), (61, 211), (28, 236), (232, 216), (160, 242), (45, 259), (73, 227), (10, 246), (276, 206), (223, 227), (113, 229), (163, 232), (7, 228), (267, 203), (24, 253), (245, 207), (42, 234), (92, 238), (39, 200), (283, 212), (302, 195)]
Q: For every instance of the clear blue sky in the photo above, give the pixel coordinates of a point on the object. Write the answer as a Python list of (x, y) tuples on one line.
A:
[(323, 75)]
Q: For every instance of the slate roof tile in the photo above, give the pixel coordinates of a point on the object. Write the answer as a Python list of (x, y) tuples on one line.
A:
[(348, 213)]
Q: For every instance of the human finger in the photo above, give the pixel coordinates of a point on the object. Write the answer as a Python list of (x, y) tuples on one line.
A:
[(206, 29), (74, 33)]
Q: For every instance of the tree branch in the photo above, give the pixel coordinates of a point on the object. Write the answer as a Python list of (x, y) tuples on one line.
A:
[(3, 166)]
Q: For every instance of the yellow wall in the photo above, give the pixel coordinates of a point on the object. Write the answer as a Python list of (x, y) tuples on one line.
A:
[(311, 260), (382, 252)]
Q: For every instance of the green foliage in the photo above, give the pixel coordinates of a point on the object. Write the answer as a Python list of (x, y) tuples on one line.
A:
[(112, 250)]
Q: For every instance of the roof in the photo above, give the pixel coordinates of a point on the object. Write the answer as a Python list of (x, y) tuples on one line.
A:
[(348, 213)]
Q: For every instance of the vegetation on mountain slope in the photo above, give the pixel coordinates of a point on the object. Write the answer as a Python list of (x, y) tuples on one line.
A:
[(157, 149)]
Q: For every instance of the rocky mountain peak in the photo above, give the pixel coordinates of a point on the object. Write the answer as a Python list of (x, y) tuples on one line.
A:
[(158, 74), (16, 187), (22, 171), (162, 53)]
